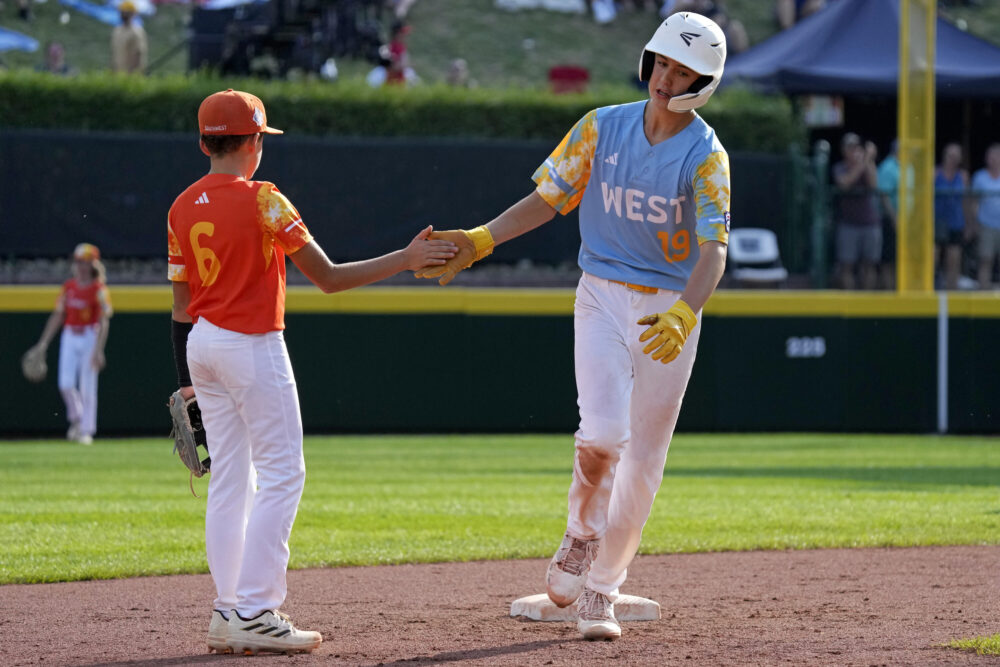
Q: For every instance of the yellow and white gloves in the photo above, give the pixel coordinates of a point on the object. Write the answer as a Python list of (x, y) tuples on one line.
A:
[(473, 245), (671, 330)]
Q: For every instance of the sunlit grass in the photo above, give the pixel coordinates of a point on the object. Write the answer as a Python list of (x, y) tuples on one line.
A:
[(981, 645), (122, 508)]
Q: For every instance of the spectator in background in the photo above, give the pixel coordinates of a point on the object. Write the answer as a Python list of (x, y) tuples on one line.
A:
[(950, 184), (986, 188), (399, 71), (458, 74), (790, 12), (55, 61), (888, 187), (129, 46), (858, 229)]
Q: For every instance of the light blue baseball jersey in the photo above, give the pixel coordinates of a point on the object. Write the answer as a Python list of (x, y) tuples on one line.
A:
[(643, 209)]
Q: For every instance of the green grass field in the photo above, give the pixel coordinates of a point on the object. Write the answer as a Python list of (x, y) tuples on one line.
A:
[(122, 508)]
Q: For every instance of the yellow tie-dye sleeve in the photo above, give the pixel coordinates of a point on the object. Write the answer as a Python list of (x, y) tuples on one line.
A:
[(176, 269), (562, 179), (282, 224), (711, 195)]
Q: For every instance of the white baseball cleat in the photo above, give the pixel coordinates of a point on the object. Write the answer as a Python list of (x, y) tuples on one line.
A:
[(74, 431), (568, 569), (596, 616), (85, 439), (269, 631), (218, 633)]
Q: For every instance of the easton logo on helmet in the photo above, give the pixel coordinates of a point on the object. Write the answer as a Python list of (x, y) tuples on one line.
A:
[(688, 36)]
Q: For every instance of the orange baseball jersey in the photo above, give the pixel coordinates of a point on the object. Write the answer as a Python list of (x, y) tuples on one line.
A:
[(227, 238), (84, 304)]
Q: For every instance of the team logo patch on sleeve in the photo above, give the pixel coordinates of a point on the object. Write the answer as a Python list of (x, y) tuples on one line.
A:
[(726, 215)]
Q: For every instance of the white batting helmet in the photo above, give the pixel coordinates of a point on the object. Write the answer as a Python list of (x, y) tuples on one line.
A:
[(694, 41)]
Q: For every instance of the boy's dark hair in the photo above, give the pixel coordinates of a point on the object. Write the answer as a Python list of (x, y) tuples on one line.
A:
[(223, 144)]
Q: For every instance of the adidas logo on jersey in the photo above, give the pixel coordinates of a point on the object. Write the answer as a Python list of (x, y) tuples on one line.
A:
[(613, 160), (203, 199)]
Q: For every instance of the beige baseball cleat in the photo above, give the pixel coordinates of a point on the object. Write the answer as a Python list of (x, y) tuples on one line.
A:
[(269, 631), (596, 616), (218, 633), (567, 573)]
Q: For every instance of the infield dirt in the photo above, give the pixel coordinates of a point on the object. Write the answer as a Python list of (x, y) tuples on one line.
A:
[(829, 607)]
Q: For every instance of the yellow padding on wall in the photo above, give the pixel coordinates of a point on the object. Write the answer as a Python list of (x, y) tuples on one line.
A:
[(531, 301)]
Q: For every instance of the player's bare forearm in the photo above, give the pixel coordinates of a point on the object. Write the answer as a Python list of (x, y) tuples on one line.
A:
[(527, 214), (182, 299), (103, 326), (330, 277), (706, 274), (52, 325)]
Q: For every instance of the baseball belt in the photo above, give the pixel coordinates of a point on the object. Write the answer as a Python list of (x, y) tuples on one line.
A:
[(637, 288)]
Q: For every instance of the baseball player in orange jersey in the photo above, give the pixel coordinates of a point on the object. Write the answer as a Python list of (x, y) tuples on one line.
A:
[(83, 310), (651, 180), (228, 236)]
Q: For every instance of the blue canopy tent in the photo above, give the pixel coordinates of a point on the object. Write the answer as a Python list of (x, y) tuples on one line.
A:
[(11, 40), (851, 47)]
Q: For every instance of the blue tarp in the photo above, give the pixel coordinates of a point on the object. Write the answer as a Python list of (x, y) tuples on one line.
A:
[(104, 13), (852, 47), (227, 4), (11, 40)]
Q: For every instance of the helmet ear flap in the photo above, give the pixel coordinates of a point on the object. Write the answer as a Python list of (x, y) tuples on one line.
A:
[(699, 83), (646, 65)]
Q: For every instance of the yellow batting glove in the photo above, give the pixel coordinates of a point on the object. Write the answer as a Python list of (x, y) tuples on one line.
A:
[(473, 245), (671, 330)]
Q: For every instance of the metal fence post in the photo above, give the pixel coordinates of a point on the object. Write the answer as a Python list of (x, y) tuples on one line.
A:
[(820, 213)]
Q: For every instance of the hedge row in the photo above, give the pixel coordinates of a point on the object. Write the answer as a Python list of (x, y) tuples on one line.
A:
[(743, 120)]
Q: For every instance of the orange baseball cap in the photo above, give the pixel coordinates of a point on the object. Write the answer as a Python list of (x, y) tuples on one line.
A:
[(87, 252), (233, 112)]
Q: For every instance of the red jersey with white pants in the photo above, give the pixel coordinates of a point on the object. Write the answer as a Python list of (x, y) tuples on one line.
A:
[(227, 239), (83, 306)]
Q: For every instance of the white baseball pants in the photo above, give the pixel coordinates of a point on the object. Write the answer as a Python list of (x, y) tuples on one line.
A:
[(78, 377), (629, 405), (250, 407)]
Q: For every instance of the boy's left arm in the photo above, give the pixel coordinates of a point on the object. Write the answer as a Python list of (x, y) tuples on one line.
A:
[(706, 275), (669, 330), (103, 325)]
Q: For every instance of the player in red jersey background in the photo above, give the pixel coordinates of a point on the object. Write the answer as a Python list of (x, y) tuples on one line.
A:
[(83, 310)]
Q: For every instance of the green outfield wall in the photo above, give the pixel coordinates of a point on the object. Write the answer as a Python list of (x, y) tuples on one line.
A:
[(495, 360)]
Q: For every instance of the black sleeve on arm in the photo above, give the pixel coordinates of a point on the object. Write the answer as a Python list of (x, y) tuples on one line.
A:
[(179, 334)]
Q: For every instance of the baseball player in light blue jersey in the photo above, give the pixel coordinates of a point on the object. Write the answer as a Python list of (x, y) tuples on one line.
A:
[(652, 183)]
